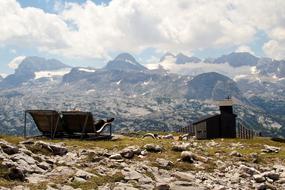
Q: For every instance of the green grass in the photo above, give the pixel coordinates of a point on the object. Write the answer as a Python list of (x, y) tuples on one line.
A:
[(97, 181)]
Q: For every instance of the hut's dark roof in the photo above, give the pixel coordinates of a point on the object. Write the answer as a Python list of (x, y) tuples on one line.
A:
[(204, 118)]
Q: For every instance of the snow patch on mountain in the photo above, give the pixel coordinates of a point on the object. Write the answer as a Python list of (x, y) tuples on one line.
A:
[(87, 70), (16, 62), (52, 73), (119, 82)]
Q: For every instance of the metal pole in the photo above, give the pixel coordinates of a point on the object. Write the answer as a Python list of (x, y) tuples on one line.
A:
[(110, 129), (25, 130)]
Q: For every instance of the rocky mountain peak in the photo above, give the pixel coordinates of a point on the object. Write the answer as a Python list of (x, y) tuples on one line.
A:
[(125, 57), (237, 59), (167, 54), (126, 62)]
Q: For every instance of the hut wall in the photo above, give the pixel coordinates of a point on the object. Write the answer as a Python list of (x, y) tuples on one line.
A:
[(201, 130), (228, 126), (213, 129)]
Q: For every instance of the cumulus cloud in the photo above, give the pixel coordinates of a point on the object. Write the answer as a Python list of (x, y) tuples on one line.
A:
[(202, 67), (16, 61), (90, 30), (276, 46)]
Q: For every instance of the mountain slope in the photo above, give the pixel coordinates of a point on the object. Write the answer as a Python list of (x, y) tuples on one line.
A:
[(237, 59), (212, 86), (27, 68), (180, 58), (125, 62)]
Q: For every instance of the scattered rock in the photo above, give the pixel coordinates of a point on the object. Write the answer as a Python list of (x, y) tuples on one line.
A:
[(84, 174), (169, 136), (271, 174), (184, 137), (131, 174), (78, 180), (236, 154), (8, 149), (16, 174), (153, 148), (259, 178), (164, 163), (187, 156), (162, 186), (180, 147), (266, 186), (127, 153), (151, 135), (116, 157), (270, 149), (246, 171), (184, 176), (55, 149)]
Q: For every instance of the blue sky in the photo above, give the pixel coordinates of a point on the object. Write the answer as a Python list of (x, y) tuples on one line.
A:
[(89, 33)]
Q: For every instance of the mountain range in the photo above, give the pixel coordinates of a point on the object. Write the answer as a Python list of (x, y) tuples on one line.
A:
[(144, 99)]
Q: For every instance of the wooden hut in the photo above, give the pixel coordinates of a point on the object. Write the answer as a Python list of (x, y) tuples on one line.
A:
[(221, 125)]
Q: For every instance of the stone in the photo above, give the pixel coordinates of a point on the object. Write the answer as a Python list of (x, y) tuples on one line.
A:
[(162, 186), (184, 176), (8, 149), (16, 174), (270, 149), (123, 186), (164, 163), (131, 174), (259, 178), (67, 187), (44, 165), (78, 180), (127, 153), (266, 186), (62, 171), (153, 148), (84, 174), (235, 154), (243, 169), (185, 185), (179, 147), (36, 178), (169, 136), (151, 135), (27, 142), (55, 149), (116, 157), (187, 156), (143, 153), (184, 137), (20, 187), (271, 174)]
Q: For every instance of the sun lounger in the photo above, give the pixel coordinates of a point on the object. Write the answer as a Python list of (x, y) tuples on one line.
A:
[(83, 123)]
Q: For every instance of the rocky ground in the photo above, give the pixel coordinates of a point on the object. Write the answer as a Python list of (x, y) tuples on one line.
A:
[(141, 163)]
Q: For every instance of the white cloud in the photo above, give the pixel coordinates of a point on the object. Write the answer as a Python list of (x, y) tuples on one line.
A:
[(89, 30), (276, 46), (16, 61), (202, 67), (244, 48)]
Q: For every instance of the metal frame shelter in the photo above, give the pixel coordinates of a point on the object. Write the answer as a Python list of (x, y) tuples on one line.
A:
[(66, 123)]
